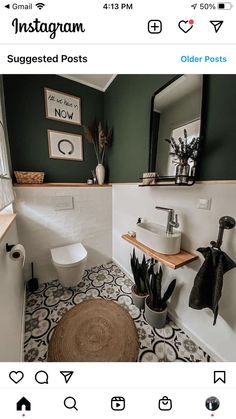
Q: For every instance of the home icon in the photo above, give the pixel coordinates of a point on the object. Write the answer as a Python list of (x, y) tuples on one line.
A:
[(23, 403)]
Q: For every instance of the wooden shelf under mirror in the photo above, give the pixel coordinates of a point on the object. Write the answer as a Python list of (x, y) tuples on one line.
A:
[(173, 261)]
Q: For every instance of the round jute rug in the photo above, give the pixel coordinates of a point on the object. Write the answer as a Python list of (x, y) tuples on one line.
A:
[(95, 330)]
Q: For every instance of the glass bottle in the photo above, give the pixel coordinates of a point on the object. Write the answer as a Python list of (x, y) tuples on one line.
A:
[(182, 172)]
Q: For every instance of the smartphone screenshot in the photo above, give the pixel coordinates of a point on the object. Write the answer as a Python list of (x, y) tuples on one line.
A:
[(117, 209)]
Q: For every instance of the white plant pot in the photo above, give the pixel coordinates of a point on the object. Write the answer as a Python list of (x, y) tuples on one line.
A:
[(156, 319), (138, 300), (100, 173)]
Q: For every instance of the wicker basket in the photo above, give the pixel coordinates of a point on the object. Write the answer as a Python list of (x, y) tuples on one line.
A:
[(29, 177)]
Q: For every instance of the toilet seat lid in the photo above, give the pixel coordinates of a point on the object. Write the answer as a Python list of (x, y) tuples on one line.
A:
[(69, 255)]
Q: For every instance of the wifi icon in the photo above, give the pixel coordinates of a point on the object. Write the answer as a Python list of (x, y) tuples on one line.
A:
[(40, 5)]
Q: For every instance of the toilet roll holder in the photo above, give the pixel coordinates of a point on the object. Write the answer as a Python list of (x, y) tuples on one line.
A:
[(16, 252), (225, 223)]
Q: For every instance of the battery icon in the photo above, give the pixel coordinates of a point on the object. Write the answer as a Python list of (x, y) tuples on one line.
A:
[(225, 6)]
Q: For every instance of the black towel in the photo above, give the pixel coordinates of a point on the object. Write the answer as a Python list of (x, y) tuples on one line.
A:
[(208, 283)]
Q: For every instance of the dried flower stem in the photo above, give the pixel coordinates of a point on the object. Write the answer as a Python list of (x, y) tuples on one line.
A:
[(100, 138)]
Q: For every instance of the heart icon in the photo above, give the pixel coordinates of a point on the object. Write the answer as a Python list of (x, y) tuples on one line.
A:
[(16, 376), (186, 25)]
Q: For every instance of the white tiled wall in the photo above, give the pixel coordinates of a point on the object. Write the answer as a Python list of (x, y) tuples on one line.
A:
[(41, 227), (11, 302), (198, 227)]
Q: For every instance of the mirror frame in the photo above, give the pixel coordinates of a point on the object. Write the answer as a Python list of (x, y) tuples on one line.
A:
[(153, 142)]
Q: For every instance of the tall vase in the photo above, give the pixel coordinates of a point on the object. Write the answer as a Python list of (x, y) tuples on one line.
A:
[(100, 173), (182, 173)]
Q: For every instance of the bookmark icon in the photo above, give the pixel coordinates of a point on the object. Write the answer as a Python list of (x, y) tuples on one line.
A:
[(219, 376)]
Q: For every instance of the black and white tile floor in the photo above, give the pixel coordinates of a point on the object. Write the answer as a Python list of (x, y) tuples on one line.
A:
[(45, 308)]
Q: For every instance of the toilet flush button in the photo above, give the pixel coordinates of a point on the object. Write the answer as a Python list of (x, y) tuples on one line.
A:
[(63, 203), (204, 203)]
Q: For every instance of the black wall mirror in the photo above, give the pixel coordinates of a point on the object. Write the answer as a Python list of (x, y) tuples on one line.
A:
[(176, 107)]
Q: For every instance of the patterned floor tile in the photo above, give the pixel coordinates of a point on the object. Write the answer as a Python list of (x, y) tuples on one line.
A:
[(46, 306)]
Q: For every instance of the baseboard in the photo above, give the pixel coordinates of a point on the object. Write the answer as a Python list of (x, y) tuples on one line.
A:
[(195, 338), (122, 268), (182, 325), (22, 334)]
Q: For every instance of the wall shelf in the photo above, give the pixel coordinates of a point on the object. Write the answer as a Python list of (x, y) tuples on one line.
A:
[(62, 185), (173, 261), (166, 181)]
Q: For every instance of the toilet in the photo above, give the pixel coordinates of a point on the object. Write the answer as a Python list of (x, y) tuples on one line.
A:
[(70, 263)]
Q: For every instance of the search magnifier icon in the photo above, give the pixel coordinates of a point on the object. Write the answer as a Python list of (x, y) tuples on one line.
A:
[(70, 403)]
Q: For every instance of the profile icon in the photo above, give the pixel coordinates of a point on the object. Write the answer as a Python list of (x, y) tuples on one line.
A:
[(212, 403)]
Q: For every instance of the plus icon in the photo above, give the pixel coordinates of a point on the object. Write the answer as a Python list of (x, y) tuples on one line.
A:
[(155, 26)]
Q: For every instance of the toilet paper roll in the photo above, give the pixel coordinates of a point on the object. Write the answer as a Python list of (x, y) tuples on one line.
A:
[(17, 253)]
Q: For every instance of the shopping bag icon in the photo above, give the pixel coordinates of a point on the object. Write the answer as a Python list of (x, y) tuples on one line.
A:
[(165, 403)]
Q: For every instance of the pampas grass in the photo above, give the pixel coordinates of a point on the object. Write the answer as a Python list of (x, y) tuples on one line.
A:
[(100, 138)]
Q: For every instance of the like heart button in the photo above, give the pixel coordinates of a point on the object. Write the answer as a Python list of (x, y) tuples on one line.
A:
[(16, 376), (186, 25)]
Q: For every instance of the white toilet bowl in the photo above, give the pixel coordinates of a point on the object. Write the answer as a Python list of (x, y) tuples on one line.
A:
[(70, 263)]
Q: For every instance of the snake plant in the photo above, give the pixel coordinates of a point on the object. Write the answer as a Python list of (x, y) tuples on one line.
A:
[(157, 302), (140, 272)]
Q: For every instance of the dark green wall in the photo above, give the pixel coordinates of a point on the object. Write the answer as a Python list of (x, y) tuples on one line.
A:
[(219, 146), (127, 109), (27, 125)]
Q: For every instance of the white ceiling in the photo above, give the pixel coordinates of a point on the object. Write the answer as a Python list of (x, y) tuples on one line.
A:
[(97, 81)]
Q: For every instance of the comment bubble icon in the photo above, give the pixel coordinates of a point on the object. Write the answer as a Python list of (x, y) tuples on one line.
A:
[(41, 377)]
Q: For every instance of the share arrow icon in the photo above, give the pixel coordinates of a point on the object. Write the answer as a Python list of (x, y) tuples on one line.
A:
[(217, 24), (67, 375)]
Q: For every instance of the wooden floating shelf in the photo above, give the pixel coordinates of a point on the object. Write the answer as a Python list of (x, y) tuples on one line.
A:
[(70, 185), (173, 261)]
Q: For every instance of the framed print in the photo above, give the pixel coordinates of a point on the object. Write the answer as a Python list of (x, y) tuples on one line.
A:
[(65, 146), (62, 106)]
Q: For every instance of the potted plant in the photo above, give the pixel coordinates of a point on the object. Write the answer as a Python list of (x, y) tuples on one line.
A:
[(139, 289), (101, 138), (156, 303), (184, 150)]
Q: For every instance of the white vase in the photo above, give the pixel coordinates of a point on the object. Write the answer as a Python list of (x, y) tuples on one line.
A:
[(100, 173)]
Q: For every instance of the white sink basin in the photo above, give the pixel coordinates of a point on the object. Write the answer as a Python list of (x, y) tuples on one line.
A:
[(155, 236)]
